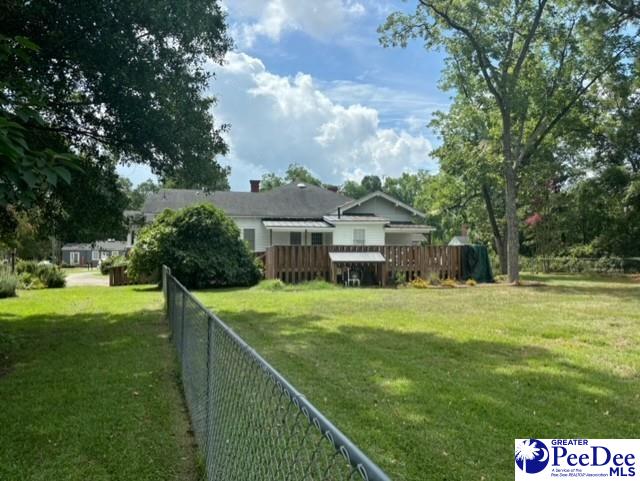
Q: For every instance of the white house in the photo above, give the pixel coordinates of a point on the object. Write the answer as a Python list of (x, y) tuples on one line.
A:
[(302, 214)]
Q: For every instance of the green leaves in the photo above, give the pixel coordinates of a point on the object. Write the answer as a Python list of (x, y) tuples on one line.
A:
[(200, 244)]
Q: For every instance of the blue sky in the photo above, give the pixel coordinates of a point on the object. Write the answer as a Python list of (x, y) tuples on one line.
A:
[(309, 83)]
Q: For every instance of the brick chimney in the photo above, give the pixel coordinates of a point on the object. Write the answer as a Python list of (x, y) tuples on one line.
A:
[(255, 185)]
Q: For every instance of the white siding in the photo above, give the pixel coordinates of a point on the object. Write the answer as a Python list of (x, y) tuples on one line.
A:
[(373, 236), (383, 208), (283, 239), (262, 234)]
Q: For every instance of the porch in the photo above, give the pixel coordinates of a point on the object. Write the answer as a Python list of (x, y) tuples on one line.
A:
[(294, 264)]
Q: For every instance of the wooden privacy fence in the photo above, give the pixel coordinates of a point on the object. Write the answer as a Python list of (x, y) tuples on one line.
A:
[(118, 276), (305, 263)]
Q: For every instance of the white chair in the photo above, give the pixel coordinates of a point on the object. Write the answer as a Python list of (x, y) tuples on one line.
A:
[(353, 278)]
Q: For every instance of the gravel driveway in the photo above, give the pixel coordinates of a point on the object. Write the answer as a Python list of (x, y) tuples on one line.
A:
[(87, 278)]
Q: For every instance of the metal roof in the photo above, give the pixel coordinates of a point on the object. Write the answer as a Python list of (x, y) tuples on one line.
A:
[(355, 218), (356, 257), (296, 224), (400, 228)]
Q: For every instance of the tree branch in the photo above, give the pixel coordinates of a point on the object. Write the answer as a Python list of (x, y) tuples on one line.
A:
[(542, 130), (527, 42), (483, 61)]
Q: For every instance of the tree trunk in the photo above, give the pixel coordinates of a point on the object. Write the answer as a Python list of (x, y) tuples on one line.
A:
[(498, 238), (513, 234)]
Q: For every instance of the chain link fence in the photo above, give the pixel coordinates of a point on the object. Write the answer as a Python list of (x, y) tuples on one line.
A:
[(251, 423)]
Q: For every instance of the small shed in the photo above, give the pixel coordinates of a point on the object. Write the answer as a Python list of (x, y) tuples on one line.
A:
[(368, 266), (460, 240)]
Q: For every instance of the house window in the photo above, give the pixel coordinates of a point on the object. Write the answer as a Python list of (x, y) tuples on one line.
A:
[(95, 255), (115, 253), (249, 236), (104, 255), (295, 238), (358, 237), (75, 258), (316, 238)]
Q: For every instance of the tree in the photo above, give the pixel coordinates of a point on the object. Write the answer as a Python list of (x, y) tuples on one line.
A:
[(200, 244), (368, 184), (140, 193), (353, 189), (371, 183), (270, 181), (88, 209), (299, 173), (112, 76), (533, 61), (294, 173)]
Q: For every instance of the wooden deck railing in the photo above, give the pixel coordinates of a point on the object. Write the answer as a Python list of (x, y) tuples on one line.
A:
[(305, 263)]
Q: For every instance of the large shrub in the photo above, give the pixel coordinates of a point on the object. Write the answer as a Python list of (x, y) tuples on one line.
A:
[(38, 275), (8, 283), (200, 244)]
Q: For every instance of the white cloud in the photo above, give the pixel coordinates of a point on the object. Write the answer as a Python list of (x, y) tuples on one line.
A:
[(278, 120), (270, 18)]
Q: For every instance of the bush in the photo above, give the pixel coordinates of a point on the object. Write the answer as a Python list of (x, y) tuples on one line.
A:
[(419, 283), (110, 262), (39, 275), (448, 283), (8, 284), (471, 282), (30, 267), (399, 279), (51, 276), (200, 244), (568, 264)]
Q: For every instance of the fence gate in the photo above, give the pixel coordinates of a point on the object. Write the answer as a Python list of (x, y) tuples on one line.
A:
[(249, 421)]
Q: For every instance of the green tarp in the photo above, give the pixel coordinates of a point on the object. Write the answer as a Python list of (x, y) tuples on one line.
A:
[(476, 264)]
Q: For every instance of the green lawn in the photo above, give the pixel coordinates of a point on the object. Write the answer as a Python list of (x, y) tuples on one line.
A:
[(436, 384), (88, 388)]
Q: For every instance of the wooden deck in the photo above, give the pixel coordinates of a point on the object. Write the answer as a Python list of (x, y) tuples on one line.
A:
[(305, 263)]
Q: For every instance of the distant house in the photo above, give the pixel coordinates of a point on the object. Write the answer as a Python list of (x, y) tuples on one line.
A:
[(302, 214), (92, 254)]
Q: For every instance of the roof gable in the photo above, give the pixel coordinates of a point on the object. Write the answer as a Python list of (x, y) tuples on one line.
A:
[(381, 195)]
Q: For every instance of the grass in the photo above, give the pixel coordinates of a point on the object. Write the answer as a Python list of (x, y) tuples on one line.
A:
[(435, 384), (88, 388)]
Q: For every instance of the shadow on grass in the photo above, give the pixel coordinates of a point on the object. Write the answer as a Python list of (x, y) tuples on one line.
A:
[(431, 407)]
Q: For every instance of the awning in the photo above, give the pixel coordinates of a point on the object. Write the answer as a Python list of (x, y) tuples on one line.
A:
[(408, 229), (298, 225), (356, 257)]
